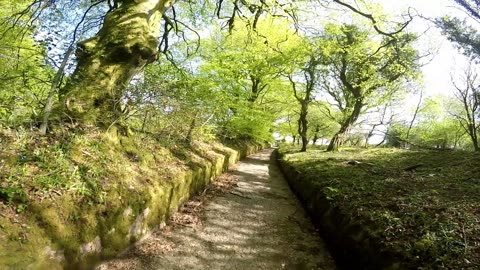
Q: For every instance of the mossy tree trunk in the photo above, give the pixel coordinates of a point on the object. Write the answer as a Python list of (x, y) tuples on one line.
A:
[(127, 41)]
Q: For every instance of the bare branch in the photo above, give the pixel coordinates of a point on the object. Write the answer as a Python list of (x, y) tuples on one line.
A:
[(374, 21)]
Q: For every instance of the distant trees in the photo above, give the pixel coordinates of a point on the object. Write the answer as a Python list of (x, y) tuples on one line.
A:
[(24, 76), (321, 125), (434, 127), (245, 67)]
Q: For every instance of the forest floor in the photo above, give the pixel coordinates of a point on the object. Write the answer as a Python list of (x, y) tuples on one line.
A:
[(247, 219)]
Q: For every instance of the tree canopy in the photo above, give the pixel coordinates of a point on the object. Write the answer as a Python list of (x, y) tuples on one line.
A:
[(216, 69)]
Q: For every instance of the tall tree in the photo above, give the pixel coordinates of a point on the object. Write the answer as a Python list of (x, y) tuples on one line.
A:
[(245, 65), (364, 72), (305, 95)]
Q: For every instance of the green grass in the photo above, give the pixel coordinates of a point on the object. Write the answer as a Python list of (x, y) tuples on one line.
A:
[(431, 214)]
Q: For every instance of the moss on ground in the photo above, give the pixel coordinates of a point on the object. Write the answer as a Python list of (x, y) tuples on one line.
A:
[(60, 193), (423, 218)]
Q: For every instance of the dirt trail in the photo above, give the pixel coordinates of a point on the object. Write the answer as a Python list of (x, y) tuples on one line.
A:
[(258, 224)]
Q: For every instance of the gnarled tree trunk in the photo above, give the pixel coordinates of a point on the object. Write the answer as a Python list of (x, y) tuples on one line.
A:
[(337, 139), (127, 41)]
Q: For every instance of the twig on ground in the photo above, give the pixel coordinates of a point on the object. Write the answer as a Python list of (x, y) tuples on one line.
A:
[(239, 194)]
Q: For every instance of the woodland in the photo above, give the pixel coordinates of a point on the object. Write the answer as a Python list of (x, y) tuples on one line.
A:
[(94, 93), (232, 70)]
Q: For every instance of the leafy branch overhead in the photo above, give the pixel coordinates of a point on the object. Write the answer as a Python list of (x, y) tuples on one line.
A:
[(463, 35), (261, 60)]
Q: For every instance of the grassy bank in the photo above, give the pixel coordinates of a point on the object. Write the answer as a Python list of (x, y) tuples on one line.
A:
[(376, 207), (70, 199)]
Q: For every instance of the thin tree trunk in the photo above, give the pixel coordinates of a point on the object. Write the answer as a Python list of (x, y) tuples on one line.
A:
[(315, 136), (309, 73), (47, 110), (472, 132), (380, 143), (414, 115), (374, 126), (303, 126), (190, 130), (144, 122), (369, 135)]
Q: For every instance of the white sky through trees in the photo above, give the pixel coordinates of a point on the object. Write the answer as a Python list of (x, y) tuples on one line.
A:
[(445, 61), (448, 60)]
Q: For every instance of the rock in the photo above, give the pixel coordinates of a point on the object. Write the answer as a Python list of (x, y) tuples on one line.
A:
[(57, 255), (95, 246), (128, 212), (138, 228), (353, 162)]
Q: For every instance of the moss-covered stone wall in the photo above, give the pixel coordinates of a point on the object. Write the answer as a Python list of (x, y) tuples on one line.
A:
[(68, 231), (354, 246)]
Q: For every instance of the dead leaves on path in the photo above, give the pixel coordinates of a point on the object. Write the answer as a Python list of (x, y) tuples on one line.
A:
[(192, 213)]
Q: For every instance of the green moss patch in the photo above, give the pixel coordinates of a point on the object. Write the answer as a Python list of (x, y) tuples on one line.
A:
[(390, 208)]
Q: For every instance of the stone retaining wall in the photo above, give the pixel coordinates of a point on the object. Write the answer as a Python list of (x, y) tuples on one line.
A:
[(104, 231), (354, 246)]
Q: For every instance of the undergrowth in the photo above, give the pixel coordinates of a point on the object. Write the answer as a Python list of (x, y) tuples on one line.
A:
[(83, 164)]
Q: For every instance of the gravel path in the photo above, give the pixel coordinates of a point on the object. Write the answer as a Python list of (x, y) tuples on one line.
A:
[(256, 224)]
